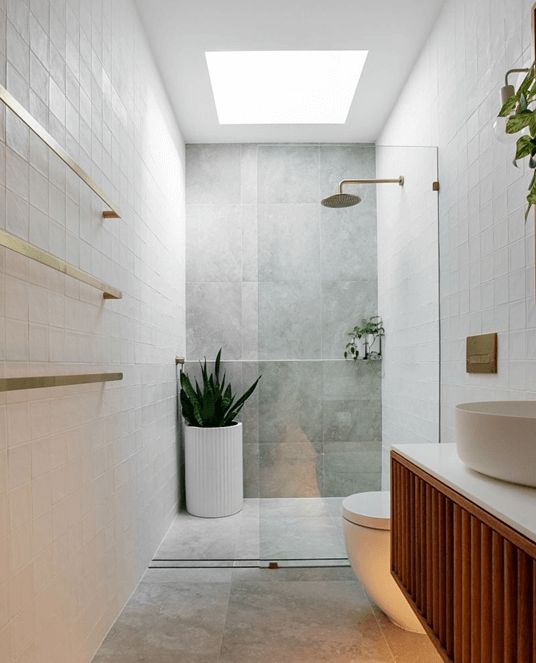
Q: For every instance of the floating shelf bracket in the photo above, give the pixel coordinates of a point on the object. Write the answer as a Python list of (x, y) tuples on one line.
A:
[(28, 250), (19, 110), (40, 382)]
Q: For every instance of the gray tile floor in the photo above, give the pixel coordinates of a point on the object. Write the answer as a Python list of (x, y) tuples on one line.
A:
[(256, 616), (266, 529)]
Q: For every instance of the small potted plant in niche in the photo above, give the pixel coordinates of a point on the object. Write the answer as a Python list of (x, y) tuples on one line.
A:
[(212, 443), (366, 340)]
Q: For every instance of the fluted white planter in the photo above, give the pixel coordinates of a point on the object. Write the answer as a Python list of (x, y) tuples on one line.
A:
[(214, 474)]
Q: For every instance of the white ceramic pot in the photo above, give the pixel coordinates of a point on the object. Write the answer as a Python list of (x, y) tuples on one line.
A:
[(214, 470)]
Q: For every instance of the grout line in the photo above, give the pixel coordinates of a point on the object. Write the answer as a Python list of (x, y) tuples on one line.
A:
[(380, 627), (224, 627)]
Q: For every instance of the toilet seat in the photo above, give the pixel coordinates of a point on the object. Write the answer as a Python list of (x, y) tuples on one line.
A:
[(371, 510)]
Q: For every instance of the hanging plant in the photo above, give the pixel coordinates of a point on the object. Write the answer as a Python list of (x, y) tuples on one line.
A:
[(522, 118)]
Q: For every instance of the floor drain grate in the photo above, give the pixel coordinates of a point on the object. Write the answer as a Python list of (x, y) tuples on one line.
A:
[(303, 563)]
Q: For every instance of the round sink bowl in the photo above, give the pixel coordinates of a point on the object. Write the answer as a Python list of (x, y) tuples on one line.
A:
[(498, 438)]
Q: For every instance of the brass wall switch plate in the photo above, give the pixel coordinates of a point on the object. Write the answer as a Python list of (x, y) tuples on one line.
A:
[(481, 354)]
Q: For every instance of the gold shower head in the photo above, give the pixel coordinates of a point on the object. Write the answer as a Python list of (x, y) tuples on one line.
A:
[(342, 199)]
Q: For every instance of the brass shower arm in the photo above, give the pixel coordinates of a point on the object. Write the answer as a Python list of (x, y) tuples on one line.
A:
[(398, 180)]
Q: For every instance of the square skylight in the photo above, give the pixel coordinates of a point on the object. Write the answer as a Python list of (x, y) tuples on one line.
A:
[(284, 87)]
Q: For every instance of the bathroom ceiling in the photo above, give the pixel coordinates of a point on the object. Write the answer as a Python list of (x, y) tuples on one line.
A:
[(180, 32)]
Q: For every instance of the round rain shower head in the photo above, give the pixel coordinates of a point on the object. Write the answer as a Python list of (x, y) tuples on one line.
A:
[(341, 200)]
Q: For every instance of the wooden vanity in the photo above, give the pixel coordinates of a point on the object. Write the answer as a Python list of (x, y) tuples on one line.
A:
[(463, 551)]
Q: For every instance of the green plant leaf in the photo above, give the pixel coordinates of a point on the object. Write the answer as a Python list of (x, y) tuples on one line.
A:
[(188, 395), (508, 106), (526, 83), (242, 400), (518, 122), (524, 147), (217, 366)]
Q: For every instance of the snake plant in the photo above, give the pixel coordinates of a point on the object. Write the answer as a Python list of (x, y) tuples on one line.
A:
[(211, 404)]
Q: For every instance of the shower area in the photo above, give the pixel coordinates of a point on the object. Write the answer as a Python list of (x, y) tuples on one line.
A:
[(277, 280)]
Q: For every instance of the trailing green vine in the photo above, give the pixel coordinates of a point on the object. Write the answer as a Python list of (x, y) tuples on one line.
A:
[(522, 118), (369, 331)]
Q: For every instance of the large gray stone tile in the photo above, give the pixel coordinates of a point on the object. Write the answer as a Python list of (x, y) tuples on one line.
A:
[(344, 304), (248, 544), (350, 467), (294, 622), (192, 538), (348, 250), (290, 395), (343, 474), (299, 529), (179, 618), (248, 166), (349, 236), (334, 505), (188, 576), (290, 469), (295, 508), (288, 174), (250, 244), (293, 574), (290, 324), (360, 456), (289, 242), (251, 470), (250, 321), (211, 539), (343, 484), (213, 243), (340, 162), (345, 420), (213, 174), (213, 320), (349, 380), (406, 647)]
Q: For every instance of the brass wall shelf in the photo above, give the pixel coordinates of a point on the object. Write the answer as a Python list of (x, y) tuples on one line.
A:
[(28, 250), (40, 382), (19, 110)]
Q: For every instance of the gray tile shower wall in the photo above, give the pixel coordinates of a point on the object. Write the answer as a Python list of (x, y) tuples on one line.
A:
[(277, 281)]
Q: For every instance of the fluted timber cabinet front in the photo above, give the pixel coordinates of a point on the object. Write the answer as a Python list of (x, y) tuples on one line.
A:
[(470, 578)]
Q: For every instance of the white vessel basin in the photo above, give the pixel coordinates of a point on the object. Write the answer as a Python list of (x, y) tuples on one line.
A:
[(498, 438)]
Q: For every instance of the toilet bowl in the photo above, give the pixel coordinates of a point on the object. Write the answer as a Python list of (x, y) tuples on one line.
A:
[(367, 534)]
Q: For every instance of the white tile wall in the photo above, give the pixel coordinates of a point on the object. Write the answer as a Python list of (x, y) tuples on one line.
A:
[(87, 474), (487, 252)]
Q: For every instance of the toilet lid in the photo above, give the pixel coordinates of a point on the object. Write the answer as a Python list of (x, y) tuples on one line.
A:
[(369, 509)]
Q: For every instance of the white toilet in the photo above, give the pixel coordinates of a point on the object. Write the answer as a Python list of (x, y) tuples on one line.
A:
[(367, 534)]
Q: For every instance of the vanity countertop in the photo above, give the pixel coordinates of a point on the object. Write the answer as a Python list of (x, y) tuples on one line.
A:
[(514, 505)]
